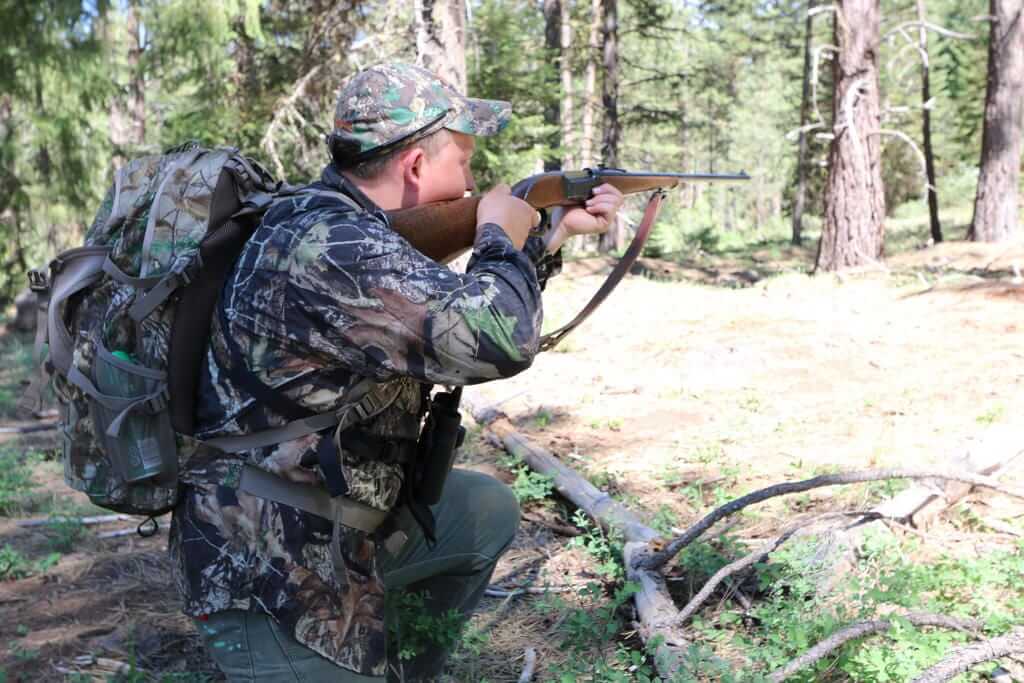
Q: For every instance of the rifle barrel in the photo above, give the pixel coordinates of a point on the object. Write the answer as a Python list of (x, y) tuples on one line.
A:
[(566, 188)]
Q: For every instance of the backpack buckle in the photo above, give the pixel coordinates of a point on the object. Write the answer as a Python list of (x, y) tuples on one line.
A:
[(38, 280), (157, 403), (187, 269)]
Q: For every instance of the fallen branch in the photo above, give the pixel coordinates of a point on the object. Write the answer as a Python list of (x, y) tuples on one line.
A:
[(654, 606), (866, 628), (84, 521), (498, 592), (659, 559), (29, 429), (116, 533), (528, 666), (962, 659), (753, 558)]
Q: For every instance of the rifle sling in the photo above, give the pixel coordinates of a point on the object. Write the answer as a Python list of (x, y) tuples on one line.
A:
[(549, 341)]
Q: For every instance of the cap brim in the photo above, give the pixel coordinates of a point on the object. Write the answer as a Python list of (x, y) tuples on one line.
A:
[(479, 117)]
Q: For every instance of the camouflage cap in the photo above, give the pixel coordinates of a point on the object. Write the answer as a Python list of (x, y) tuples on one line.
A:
[(389, 105)]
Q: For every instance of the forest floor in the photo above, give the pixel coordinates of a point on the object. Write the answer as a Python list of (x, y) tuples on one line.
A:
[(702, 378)]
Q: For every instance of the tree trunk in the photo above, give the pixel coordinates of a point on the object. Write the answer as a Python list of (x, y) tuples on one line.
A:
[(854, 195), (128, 109), (995, 206), (553, 46), (590, 86), (805, 108), (565, 72), (611, 240), (441, 48), (926, 126), (441, 39)]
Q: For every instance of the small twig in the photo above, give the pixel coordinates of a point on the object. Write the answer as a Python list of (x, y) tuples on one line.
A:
[(866, 628), (962, 659), (498, 592), (659, 559), (529, 665)]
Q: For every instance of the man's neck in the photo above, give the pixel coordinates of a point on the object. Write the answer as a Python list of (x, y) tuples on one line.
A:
[(383, 194)]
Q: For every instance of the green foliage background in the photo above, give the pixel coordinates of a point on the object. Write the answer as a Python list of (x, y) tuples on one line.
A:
[(705, 86)]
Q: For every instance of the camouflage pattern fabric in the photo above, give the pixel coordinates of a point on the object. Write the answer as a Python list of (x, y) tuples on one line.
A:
[(152, 219), (322, 296), (393, 103)]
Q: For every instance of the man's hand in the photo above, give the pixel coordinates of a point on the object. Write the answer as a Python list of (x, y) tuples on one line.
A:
[(515, 216), (593, 218)]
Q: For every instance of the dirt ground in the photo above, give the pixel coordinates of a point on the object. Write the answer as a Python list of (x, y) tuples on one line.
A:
[(733, 372)]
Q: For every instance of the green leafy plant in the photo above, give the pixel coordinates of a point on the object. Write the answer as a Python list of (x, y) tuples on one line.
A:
[(664, 520), (15, 481), (589, 633), (604, 548), (63, 533), (413, 630), (14, 565), (530, 485)]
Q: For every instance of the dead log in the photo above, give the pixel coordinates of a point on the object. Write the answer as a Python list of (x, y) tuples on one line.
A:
[(990, 455), (655, 609)]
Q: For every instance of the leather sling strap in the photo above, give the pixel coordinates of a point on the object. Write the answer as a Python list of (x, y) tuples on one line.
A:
[(549, 341)]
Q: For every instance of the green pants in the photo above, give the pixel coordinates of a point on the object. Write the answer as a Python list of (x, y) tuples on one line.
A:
[(452, 575)]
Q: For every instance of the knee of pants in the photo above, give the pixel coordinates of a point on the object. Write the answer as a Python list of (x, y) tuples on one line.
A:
[(494, 507)]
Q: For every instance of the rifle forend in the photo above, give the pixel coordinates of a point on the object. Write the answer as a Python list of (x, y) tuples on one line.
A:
[(443, 230)]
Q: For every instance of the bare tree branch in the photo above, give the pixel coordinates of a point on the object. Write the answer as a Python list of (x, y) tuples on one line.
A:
[(931, 27), (284, 110), (962, 659), (757, 556), (920, 155), (867, 628), (660, 558)]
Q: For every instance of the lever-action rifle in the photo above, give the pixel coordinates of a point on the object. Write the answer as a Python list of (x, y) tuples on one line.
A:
[(443, 230)]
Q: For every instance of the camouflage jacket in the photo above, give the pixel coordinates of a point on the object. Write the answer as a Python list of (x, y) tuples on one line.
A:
[(322, 296)]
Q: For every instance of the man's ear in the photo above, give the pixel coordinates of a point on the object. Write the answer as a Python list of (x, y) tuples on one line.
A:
[(412, 167)]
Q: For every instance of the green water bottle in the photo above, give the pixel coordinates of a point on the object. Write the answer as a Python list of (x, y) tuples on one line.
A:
[(136, 450)]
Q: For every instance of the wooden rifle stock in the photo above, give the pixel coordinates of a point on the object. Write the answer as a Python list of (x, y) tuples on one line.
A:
[(443, 230)]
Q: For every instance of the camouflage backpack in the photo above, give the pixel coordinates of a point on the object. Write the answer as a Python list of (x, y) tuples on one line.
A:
[(127, 318)]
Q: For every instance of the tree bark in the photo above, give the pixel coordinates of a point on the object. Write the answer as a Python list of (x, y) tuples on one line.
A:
[(995, 205), (590, 86), (926, 125), (553, 47), (802, 149), (128, 109), (854, 195), (441, 39), (610, 240), (565, 73)]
